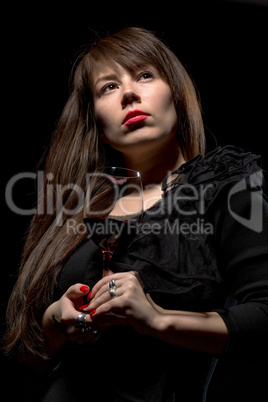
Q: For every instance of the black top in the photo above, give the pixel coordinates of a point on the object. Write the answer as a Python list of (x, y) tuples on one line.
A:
[(203, 247)]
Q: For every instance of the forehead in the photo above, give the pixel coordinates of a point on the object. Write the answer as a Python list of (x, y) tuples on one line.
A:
[(103, 70)]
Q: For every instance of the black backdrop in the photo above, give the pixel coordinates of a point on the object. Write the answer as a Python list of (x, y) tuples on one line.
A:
[(222, 44)]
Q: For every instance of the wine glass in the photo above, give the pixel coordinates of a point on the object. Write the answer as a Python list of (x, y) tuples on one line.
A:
[(113, 208)]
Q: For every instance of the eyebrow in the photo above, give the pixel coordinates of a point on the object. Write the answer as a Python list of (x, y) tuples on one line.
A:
[(107, 77)]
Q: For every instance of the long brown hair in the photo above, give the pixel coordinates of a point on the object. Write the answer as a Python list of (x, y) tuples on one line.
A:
[(75, 151)]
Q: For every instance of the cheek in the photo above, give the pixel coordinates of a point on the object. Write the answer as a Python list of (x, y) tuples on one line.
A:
[(166, 99), (105, 115), (164, 104), (103, 119)]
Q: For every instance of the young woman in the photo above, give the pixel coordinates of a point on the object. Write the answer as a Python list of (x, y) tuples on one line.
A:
[(186, 296)]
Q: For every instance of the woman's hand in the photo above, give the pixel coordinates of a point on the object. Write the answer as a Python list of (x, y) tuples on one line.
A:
[(130, 305), (63, 313), (59, 318), (203, 332)]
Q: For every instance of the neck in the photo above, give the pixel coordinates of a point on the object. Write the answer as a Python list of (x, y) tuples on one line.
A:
[(155, 166)]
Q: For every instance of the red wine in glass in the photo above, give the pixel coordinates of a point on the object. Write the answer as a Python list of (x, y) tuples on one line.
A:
[(113, 208), (106, 234)]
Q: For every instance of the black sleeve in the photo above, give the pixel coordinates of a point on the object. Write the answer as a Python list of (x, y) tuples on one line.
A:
[(241, 223)]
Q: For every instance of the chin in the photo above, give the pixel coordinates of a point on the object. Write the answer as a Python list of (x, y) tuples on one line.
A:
[(143, 143)]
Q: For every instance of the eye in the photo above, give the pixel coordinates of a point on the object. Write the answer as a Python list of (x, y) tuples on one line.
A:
[(109, 87), (145, 75)]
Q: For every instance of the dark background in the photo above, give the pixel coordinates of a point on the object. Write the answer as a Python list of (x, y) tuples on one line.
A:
[(222, 44)]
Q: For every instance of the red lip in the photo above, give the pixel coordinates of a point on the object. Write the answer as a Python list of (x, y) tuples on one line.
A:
[(134, 116)]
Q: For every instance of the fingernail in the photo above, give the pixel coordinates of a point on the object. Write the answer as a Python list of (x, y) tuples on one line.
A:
[(88, 296), (84, 288), (92, 313), (84, 306)]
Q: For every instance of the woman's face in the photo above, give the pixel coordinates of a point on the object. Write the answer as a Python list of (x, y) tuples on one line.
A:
[(134, 108)]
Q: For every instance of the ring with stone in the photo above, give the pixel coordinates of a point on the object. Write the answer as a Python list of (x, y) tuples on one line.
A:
[(112, 284), (112, 292), (80, 321)]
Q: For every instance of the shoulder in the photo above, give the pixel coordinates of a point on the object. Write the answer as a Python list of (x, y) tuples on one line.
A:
[(221, 164), (219, 169)]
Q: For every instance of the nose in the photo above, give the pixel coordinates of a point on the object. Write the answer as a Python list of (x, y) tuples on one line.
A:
[(129, 97)]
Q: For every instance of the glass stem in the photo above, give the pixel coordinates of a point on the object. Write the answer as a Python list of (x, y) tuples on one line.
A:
[(106, 258)]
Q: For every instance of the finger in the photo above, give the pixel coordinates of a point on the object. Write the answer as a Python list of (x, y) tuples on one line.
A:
[(69, 314), (73, 330), (103, 282), (106, 287), (108, 307), (125, 276), (103, 296), (76, 291), (100, 292), (122, 281), (101, 324)]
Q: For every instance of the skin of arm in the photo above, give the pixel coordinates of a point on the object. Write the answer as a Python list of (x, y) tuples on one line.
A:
[(203, 332)]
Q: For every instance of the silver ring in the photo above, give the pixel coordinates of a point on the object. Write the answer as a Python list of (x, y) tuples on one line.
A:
[(80, 321), (87, 330), (112, 284), (112, 292)]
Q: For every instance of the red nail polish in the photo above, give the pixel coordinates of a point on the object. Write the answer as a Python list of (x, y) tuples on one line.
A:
[(88, 296), (84, 306), (92, 313), (83, 288)]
